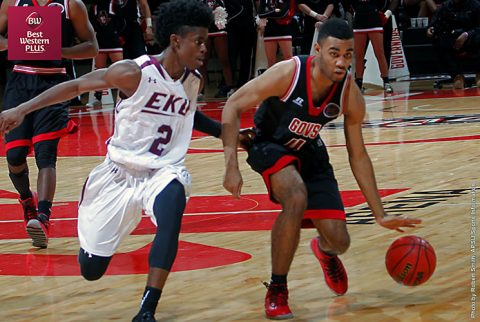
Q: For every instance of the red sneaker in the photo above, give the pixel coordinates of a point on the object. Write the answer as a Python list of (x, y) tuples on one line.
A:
[(37, 229), (333, 270), (276, 302), (29, 206)]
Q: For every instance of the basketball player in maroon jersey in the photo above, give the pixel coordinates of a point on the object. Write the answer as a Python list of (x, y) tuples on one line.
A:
[(42, 129), (298, 97)]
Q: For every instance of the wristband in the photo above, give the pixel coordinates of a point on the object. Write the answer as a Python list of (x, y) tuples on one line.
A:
[(148, 21), (312, 14)]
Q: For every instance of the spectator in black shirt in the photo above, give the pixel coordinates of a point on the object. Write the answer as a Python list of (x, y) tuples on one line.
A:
[(455, 29)]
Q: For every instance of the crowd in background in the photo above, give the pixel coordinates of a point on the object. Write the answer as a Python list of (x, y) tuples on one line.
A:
[(124, 30)]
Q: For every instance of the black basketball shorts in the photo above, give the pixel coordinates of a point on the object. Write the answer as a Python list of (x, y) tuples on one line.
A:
[(324, 201)]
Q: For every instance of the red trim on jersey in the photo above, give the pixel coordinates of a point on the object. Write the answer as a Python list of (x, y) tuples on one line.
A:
[(324, 214), (39, 70), (312, 110), (293, 81), (279, 165), (36, 4), (70, 128), (277, 38), (18, 143)]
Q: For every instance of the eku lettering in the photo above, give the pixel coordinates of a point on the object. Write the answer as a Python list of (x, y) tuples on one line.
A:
[(167, 104)]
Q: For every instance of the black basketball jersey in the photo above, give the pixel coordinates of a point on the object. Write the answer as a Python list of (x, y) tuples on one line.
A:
[(129, 9), (68, 32), (104, 19), (294, 120)]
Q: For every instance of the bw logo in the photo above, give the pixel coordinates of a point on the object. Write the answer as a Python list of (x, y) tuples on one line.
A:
[(34, 20), (152, 80)]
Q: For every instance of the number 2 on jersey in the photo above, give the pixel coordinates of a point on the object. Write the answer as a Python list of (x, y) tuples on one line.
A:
[(165, 136)]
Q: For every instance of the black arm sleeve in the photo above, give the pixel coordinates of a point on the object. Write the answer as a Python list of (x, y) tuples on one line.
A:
[(207, 125)]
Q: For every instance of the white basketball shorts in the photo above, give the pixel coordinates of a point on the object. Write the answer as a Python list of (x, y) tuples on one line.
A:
[(112, 201)]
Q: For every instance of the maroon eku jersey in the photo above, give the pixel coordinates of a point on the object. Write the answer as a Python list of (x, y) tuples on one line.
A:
[(68, 32), (294, 120)]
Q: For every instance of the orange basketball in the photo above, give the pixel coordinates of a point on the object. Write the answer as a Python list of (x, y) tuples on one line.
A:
[(410, 260)]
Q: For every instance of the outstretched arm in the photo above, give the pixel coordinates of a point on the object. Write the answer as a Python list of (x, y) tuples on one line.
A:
[(205, 124), (88, 46), (362, 166), (124, 75), (274, 82)]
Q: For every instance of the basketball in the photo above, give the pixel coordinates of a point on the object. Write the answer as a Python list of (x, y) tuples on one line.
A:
[(410, 260)]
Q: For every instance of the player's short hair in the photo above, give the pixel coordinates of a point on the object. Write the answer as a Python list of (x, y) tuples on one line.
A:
[(336, 28), (178, 16)]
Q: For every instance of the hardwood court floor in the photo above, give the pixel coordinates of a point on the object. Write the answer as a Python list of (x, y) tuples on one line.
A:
[(425, 149)]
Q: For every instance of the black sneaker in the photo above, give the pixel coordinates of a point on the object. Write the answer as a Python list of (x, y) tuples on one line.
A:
[(37, 229), (144, 317)]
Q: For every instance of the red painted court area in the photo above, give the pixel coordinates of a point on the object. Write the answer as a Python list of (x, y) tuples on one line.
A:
[(204, 214)]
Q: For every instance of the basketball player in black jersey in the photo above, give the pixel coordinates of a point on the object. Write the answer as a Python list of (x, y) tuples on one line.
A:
[(298, 97), (42, 129)]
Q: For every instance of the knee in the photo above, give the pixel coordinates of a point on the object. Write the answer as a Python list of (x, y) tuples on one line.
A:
[(89, 275), (46, 154), (296, 200), (340, 243), (92, 267), (17, 156)]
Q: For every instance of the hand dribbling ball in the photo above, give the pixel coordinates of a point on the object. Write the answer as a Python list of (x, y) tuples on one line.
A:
[(410, 260)]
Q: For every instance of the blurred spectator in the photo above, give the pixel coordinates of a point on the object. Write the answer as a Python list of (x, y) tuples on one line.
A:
[(368, 24), (134, 35), (315, 12), (422, 8), (242, 37), (277, 30), (217, 38), (388, 27), (455, 29), (102, 15)]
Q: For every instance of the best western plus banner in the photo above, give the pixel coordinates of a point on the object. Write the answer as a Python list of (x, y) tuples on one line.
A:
[(34, 33)]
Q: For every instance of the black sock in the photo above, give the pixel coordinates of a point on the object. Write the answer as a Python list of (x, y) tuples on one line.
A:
[(21, 183), (278, 279), (385, 80), (150, 299), (44, 207)]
